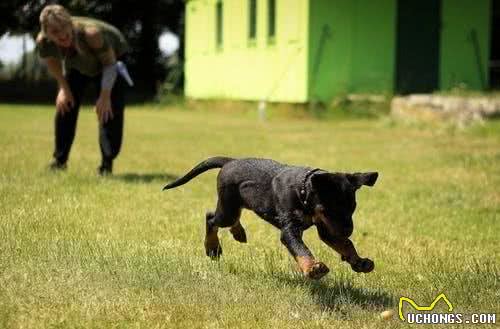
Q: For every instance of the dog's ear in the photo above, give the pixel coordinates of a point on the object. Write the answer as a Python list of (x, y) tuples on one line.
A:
[(322, 181), (359, 179)]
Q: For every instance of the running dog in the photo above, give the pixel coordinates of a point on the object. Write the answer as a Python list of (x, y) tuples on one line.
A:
[(290, 198)]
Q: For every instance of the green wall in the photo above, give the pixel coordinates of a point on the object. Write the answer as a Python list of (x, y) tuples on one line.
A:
[(351, 47), (275, 71), (373, 52), (460, 62), (329, 48)]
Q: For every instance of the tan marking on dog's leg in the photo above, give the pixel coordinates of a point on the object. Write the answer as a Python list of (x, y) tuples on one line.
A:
[(346, 249), (343, 246), (305, 263), (311, 268), (348, 253)]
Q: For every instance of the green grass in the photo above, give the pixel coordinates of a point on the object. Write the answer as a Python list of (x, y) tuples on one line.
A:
[(77, 250)]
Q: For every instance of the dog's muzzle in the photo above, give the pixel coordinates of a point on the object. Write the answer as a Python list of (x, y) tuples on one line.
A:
[(335, 230)]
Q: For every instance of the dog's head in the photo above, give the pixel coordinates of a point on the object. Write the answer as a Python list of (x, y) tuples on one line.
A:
[(337, 199)]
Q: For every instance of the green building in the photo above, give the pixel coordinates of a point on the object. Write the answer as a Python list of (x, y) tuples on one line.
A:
[(312, 50)]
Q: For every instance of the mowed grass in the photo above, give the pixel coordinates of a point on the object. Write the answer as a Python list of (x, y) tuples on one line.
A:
[(78, 250)]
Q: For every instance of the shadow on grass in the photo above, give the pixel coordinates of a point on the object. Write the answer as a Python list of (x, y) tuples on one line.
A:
[(331, 295), (144, 178)]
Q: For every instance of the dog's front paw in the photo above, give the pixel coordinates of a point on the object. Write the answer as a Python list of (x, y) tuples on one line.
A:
[(317, 271), (363, 265)]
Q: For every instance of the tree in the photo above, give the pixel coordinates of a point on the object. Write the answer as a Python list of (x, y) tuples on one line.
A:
[(141, 23)]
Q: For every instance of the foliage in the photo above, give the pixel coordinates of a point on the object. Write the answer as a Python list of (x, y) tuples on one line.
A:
[(141, 23)]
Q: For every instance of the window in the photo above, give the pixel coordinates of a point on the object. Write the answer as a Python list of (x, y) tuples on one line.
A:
[(271, 20), (252, 19), (218, 22)]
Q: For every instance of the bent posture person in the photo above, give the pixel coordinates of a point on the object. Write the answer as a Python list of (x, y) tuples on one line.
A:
[(80, 51)]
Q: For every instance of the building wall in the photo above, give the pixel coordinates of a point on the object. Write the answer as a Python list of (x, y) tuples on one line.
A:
[(464, 58), (322, 48), (275, 71), (352, 46)]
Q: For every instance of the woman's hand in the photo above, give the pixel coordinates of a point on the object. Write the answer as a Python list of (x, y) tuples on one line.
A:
[(64, 101), (103, 107)]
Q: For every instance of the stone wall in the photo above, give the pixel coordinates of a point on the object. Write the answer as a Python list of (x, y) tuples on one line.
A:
[(458, 109)]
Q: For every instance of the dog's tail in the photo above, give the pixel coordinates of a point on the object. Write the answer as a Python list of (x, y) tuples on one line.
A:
[(210, 163)]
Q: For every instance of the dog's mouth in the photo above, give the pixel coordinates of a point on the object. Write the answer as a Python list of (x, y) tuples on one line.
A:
[(334, 230)]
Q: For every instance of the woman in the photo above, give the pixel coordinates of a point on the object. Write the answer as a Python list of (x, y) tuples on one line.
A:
[(80, 51)]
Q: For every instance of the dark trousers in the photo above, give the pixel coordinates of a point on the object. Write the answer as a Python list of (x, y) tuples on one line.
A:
[(110, 133)]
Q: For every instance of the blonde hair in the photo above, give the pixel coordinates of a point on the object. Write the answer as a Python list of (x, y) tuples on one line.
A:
[(54, 15)]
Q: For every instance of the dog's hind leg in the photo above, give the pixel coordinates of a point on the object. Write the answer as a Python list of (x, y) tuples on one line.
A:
[(227, 214), (212, 244)]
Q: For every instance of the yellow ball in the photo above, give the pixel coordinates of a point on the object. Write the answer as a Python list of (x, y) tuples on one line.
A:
[(386, 315)]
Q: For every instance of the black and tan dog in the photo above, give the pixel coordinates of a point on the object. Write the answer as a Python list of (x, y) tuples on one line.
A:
[(290, 198)]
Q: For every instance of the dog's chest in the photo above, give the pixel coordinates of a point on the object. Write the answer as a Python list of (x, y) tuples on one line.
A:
[(308, 220)]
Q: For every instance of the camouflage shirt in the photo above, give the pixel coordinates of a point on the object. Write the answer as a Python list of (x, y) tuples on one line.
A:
[(82, 57)]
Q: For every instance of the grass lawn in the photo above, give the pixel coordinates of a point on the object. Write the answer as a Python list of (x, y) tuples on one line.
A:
[(78, 250)]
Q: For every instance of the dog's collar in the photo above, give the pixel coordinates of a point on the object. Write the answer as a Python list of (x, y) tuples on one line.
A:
[(304, 193)]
